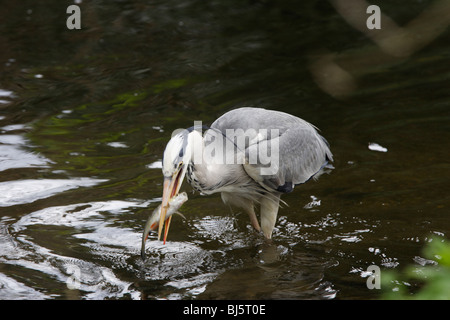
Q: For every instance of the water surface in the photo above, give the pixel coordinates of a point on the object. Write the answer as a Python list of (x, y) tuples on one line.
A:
[(85, 116)]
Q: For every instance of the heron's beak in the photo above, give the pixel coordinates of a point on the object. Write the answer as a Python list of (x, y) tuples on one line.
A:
[(171, 187)]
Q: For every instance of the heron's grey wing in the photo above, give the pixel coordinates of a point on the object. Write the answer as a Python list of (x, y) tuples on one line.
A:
[(281, 150), (295, 157)]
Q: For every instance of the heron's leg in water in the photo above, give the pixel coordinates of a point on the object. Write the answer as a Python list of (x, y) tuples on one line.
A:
[(269, 212), (253, 219), (233, 199)]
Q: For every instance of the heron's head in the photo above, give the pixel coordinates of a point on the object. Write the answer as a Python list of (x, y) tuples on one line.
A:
[(177, 155)]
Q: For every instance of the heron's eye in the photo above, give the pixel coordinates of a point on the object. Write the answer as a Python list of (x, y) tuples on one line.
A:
[(180, 164)]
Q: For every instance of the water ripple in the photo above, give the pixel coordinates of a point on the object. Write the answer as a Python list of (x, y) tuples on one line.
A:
[(30, 190)]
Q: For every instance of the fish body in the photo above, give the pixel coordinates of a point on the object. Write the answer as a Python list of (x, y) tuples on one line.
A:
[(153, 220)]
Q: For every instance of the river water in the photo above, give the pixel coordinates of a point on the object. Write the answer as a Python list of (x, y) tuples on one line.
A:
[(85, 116)]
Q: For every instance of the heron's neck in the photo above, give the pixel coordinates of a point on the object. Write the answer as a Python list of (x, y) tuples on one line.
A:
[(213, 178), (209, 171)]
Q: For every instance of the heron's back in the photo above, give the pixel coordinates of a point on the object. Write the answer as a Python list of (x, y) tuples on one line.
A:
[(302, 151)]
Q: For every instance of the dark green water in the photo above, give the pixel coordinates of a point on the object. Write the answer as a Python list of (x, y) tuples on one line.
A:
[(85, 116)]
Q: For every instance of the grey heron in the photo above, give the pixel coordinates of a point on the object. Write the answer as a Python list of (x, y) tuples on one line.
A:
[(250, 155)]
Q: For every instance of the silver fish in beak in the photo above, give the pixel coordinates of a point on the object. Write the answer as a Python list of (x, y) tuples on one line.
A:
[(153, 220)]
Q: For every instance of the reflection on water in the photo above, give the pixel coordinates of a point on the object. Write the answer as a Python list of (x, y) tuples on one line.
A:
[(85, 116), (27, 191), (13, 157)]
